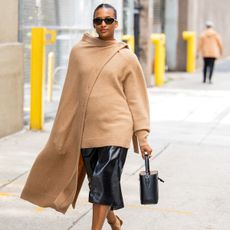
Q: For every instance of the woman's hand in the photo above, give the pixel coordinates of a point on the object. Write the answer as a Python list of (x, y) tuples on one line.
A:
[(146, 150)]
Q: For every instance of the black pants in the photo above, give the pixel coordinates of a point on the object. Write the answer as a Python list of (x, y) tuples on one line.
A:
[(208, 64), (104, 167)]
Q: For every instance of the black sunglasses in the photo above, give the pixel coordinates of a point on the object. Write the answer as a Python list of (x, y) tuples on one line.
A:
[(108, 21)]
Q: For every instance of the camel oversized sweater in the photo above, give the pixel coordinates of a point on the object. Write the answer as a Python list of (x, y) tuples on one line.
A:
[(118, 104), (103, 102)]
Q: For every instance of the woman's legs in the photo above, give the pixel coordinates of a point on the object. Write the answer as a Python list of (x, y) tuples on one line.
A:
[(114, 221), (212, 62), (104, 168), (100, 212), (111, 217), (205, 69)]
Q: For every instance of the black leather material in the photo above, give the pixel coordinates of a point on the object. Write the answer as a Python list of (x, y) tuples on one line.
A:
[(104, 167), (148, 185)]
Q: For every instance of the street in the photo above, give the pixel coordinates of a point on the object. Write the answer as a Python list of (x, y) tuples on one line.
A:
[(190, 136)]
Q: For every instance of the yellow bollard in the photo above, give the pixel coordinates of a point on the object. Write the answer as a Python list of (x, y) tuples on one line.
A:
[(50, 76), (38, 42), (52, 39), (37, 77), (130, 41), (159, 58), (190, 37)]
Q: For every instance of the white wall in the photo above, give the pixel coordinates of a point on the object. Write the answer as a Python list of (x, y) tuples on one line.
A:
[(171, 32)]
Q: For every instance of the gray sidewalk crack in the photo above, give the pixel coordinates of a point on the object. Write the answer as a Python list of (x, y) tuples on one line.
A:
[(14, 179), (223, 114), (76, 221), (216, 122)]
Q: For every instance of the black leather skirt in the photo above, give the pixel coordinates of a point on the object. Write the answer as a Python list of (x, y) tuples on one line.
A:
[(104, 168)]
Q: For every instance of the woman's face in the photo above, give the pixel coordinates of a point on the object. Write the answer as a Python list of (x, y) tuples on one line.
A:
[(105, 31)]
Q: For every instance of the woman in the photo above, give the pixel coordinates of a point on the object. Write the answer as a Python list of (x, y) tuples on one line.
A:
[(104, 105)]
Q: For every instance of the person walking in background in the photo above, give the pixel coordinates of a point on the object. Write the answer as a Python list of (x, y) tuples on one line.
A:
[(104, 105), (210, 48)]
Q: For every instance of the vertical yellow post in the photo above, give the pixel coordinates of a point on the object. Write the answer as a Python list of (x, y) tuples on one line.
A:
[(130, 41), (50, 76), (38, 50), (163, 55), (159, 58), (189, 36), (37, 78)]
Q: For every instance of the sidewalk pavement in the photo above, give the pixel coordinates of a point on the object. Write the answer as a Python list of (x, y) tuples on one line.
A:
[(190, 135)]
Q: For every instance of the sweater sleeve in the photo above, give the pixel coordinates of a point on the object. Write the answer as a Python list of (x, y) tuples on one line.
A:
[(137, 98), (220, 45), (142, 136), (200, 44)]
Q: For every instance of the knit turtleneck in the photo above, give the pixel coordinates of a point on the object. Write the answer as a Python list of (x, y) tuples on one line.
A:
[(92, 40)]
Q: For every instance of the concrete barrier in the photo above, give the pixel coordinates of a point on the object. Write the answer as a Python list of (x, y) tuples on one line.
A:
[(11, 88), (8, 21)]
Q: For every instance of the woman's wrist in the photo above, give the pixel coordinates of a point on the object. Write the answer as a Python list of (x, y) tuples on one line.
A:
[(142, 136)]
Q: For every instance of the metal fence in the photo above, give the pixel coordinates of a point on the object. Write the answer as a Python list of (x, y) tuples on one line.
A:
[(70, 19)]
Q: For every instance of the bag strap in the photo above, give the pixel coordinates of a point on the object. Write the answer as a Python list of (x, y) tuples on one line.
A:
[(147, 169)]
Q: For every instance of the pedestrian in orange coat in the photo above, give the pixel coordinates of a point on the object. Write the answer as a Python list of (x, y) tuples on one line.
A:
[(210, 48)]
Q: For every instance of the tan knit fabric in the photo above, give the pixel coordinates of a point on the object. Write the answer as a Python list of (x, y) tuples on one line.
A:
[(210, 44), (57, 174), (118, 104)]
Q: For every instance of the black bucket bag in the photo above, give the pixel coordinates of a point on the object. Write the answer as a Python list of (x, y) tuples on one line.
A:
[(149, 191)]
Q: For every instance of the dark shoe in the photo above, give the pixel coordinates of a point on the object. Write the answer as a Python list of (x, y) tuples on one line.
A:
[(210, 82), (116, 225)]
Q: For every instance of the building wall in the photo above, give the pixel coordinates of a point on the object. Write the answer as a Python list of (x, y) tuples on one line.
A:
[(171, 32), (176, 21), (146, 24), (128, 17), (158, 16), (11, 70), (8, 21), (182, 24)]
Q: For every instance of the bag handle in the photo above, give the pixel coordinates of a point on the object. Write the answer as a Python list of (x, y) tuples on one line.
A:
[(147, 168)]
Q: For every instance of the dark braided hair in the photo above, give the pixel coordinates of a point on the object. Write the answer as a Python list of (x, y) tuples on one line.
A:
[(105, 5)]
